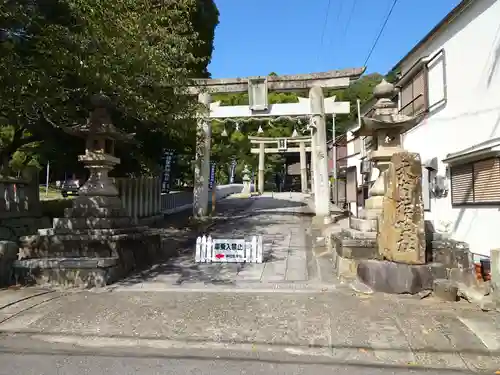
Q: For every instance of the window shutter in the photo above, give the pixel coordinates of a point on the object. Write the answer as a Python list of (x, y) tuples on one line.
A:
[(406, 98), (461, 184), (418, 93), (487, 181)]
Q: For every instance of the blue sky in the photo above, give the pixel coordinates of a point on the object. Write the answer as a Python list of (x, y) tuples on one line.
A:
[(256, 37)]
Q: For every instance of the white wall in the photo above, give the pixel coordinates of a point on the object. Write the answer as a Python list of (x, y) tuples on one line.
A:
[(470, 115), (354, 160)]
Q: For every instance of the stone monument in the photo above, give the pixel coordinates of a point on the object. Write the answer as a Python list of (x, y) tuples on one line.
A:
[(387, 247), (401, 232), (96, 242)]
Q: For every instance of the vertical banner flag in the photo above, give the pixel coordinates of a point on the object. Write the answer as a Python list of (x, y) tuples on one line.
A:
[(168, 155), (212, 175)]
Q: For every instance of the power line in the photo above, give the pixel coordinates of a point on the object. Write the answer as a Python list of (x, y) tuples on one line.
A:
[(348, 23), (324, 27), (380, 32)]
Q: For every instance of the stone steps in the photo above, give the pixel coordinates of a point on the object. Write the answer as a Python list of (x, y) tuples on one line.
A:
[(65, 246), (363, 225), (69, 272), (371, 214), (359, 235)]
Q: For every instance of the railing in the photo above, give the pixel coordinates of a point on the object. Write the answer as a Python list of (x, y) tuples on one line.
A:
[(142, 196), (176, 201)]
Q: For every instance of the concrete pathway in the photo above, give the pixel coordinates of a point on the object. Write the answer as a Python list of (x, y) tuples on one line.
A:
[(284, 310), (283, 219), (328, 327)]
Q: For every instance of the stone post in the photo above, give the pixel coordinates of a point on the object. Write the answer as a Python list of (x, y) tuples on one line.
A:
[(322, 196), (303, 167), (202, 163), (261, 167)]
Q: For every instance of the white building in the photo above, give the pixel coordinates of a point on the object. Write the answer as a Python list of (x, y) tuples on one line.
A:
[(354, 169), (453, 76)]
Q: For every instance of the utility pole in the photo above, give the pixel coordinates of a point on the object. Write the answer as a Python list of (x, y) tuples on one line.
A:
[(47, 174)]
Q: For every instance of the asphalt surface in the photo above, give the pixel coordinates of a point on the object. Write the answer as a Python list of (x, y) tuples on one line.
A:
[(276, 320), (93, 365)]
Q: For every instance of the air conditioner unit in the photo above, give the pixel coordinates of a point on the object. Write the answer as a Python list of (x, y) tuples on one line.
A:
[(366, 166)]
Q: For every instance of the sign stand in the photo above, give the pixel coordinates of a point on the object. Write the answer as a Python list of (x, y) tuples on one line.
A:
[(210, 250)]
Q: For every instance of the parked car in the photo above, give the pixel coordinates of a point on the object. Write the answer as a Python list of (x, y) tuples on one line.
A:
[(70, 187)]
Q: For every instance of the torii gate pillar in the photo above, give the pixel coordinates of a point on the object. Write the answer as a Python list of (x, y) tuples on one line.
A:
[(318, 125), (261, 167), (202, 162), (303, 167)]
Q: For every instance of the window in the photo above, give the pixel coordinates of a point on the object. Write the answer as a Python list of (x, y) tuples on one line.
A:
[(476, 183), (414, 94), (356, 145)]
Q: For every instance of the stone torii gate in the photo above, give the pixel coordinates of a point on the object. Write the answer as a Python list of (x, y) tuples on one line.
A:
[(281, 147), (258, 88)]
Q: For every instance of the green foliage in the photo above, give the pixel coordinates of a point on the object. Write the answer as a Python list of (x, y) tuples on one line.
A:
[(362, 89), (57, 53), (237, 144), (392, 76)]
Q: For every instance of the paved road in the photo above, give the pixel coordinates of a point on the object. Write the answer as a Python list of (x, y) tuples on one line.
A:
[(182, 316), (112, 365), (283, 219), (333, 326)]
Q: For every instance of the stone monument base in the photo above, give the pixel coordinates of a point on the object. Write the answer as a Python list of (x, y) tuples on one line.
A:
[(398, 278), (355, 256)]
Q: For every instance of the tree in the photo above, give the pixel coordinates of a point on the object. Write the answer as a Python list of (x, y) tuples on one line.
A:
[(57, 53), (362, 89), (237, 144)]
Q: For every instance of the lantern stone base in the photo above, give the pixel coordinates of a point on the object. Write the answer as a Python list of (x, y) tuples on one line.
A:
[(75, 256), (355, 243), (91, 206)]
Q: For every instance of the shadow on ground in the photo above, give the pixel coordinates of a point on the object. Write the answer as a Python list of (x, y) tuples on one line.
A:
[(234, 218)]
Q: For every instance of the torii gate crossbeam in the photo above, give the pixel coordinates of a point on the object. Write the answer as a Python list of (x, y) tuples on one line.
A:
[(258, 88)]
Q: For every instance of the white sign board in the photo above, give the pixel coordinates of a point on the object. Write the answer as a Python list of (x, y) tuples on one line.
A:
[(209, 250)]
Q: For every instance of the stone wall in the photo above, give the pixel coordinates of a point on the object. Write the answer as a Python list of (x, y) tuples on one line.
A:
[(401, 233), (8, 254)]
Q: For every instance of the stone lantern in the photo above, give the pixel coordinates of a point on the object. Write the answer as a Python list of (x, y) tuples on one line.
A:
[(246, 180), (96, 242), (98, 194), (364, 250), (385, 126)]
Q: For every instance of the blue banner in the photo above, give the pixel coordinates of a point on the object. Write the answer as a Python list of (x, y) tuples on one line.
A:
[(212, 175), (168, 156)]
